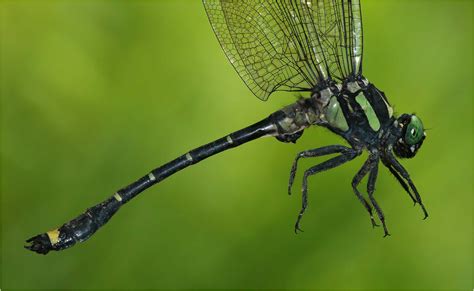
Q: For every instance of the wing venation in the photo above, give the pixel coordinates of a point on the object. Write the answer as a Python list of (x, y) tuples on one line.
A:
[(288, 45)]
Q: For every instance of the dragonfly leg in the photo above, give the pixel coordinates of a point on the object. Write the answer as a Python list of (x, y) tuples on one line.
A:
[(329, 164), (356, 181), (374, 168), (400, 180), (327, 150), (392, 161)]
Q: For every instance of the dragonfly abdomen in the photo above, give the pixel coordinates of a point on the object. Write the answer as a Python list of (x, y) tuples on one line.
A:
[(284, 124), (293, 119)]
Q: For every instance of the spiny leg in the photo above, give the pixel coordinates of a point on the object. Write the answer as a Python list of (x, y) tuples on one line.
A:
[(371, 189), (400, 180), (356, 181), (327, 150), (329, 164), (404, 173)]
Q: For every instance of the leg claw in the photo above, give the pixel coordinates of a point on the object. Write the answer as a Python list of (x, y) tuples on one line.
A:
[(424, 211), (374, 224), (297, 228)]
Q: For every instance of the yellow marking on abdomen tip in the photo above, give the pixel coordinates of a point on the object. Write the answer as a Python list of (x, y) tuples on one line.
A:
[(118, 197), (53, 236), (152, 177)]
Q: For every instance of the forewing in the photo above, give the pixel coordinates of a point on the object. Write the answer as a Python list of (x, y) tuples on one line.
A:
[(288, 45)]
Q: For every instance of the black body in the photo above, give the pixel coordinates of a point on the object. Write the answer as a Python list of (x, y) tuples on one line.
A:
[(86, 224), (289, 45)]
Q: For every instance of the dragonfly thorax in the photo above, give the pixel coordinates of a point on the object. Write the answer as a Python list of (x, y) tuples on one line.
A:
[(356, 110)]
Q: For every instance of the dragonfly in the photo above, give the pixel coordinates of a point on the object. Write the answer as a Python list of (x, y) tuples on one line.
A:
[(314, 47)]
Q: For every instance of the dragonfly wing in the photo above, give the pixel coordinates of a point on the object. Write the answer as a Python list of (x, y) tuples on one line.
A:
[(289, 45), (341, 33)]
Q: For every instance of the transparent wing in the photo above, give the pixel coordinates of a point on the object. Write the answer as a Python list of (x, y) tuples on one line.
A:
[(288, 45)]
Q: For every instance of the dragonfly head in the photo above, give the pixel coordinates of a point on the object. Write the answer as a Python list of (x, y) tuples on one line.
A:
[(411, 136)]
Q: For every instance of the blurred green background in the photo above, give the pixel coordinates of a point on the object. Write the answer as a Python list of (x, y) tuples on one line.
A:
[(96, 93)]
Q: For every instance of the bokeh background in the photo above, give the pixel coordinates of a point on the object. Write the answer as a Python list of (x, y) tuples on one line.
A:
[(96, 93)]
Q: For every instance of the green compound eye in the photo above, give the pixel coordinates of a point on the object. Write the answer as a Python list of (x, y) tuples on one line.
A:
[(415, 131)]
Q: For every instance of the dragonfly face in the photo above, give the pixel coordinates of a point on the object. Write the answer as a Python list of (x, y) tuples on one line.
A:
[(411, 136)]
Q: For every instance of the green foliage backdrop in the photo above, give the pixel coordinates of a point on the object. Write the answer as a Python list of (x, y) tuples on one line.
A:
[(96, 93)]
